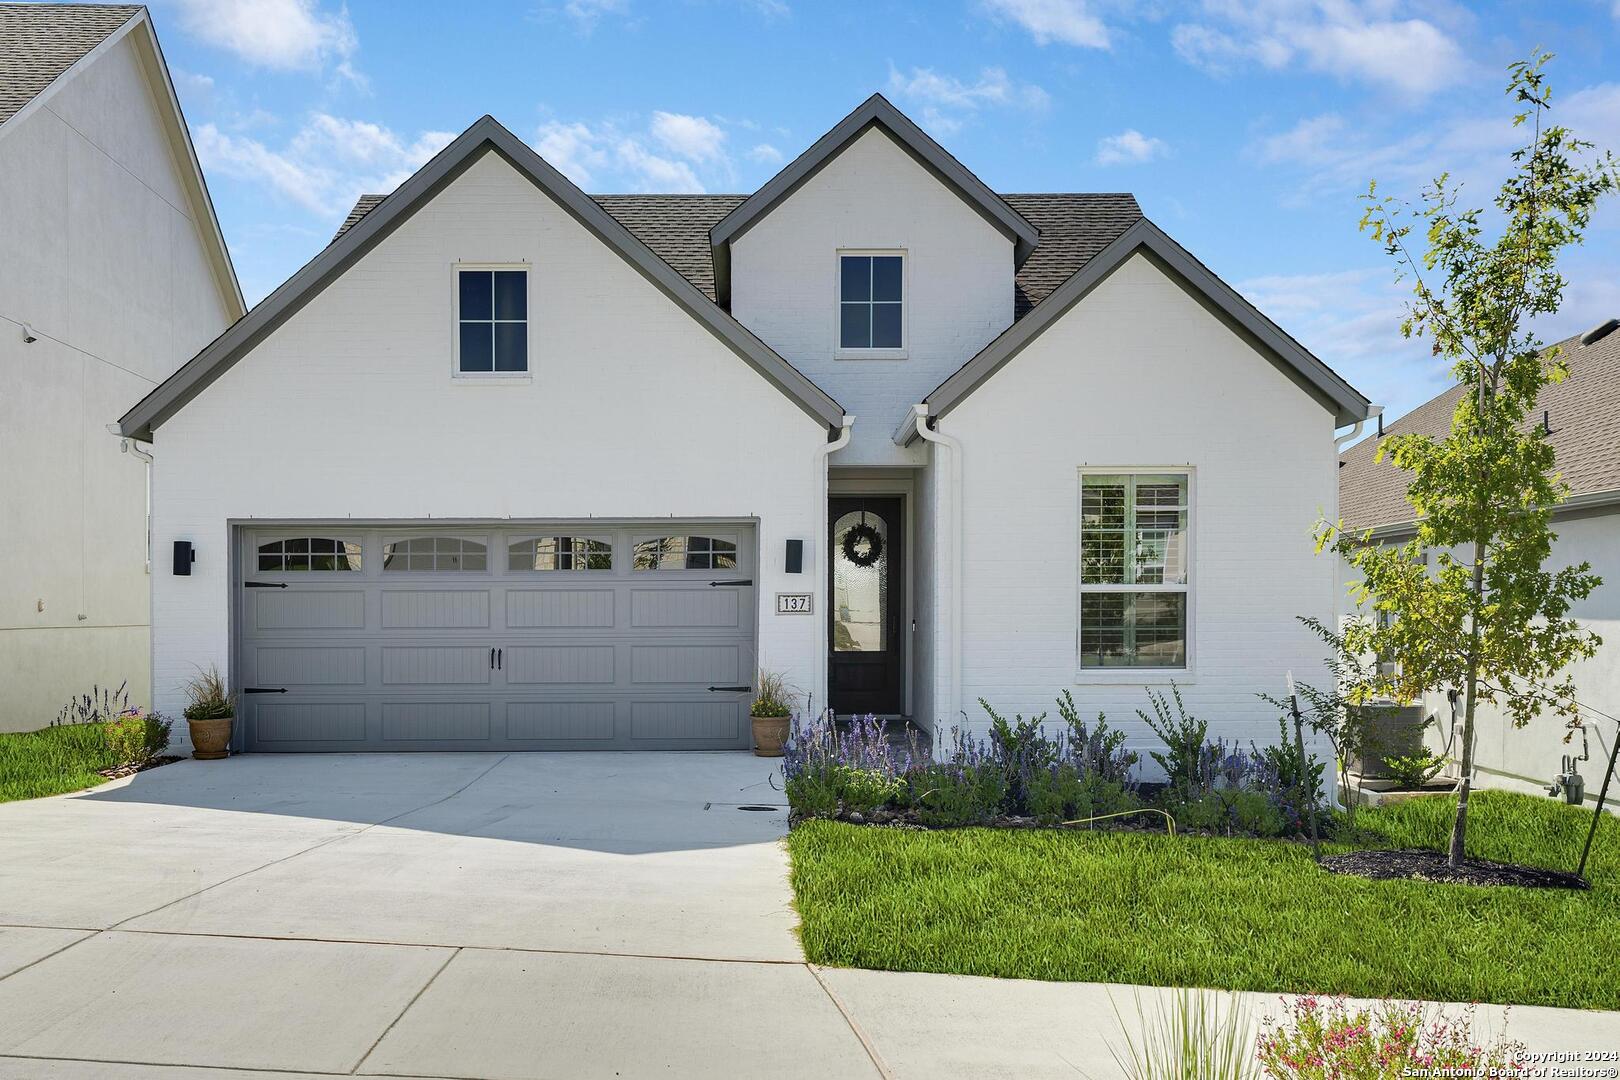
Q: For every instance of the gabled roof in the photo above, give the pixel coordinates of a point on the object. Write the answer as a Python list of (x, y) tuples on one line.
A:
[(875, 111), (1219, 298), (1074, 228), (483, 137), (38, 42), (41, 45), (1583, 412)]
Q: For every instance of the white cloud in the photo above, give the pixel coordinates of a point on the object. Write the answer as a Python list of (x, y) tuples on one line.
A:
[(283, 35), (326, 165), (1351, 320), (947, 101), (586, 13), (1361, 40), (692, 137), (765, 154), (1130, 147), (604, 155), (1067, 22)]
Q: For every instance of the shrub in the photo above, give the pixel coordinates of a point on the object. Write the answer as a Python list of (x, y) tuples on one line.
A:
[(1185, 740), (1099, 749), (1414, 772), (944, 796), (136, 738), (1315, 1041), (828, 771), (207, 697), (1064, 793)]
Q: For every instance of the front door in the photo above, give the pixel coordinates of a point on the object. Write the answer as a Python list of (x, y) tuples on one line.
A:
[(866, 669)]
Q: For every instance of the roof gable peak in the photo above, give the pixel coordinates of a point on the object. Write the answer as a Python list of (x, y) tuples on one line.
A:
[(875, 111)]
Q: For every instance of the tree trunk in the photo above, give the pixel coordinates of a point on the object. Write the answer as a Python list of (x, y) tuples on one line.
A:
[(1459, 827)]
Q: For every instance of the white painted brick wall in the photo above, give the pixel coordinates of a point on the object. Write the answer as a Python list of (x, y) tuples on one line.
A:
[(959, 284), (1139, 374), (349, 410)]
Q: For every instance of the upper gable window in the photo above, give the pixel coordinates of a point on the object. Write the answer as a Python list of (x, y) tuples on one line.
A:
[(492, 320), (871, 304)]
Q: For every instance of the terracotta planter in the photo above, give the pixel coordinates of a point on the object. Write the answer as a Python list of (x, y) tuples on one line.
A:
[(210, 739), (770, 733)]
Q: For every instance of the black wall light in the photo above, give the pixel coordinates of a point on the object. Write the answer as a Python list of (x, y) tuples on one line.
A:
[(795, 556), (184, 556)]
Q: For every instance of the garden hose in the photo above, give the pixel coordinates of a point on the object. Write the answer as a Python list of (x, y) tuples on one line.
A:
[(1169, 822)]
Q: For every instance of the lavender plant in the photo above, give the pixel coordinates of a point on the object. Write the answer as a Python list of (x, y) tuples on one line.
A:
[(101, 705)]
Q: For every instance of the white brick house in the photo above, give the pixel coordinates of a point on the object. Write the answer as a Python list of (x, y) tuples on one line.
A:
[(112, 272), (508, 466)]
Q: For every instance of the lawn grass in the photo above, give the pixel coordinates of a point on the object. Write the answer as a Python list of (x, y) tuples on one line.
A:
[(1234, 914), (52, 761)]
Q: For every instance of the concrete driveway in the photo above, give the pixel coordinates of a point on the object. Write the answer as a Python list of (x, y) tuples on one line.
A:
[(521, 916)]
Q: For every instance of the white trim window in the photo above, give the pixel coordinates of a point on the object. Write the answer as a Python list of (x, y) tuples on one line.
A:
[(1135, 569), (492, 321), (871, 305)]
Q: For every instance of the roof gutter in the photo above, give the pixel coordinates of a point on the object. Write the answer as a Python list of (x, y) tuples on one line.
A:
[(1354, 433)]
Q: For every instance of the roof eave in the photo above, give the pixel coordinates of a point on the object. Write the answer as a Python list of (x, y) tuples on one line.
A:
[(1348, 405)]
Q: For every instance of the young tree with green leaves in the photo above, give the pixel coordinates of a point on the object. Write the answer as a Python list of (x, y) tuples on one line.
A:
[(1486, 618)]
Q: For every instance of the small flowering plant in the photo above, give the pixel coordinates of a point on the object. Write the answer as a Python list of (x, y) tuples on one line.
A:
[(1330, 1040)]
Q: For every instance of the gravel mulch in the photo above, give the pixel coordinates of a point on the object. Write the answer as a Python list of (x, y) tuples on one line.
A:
[(130, 770), (1418, 864)]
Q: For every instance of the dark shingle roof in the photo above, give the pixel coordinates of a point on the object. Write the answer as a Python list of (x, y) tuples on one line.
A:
[(40, 41), (1583, 411), (1074, 227)]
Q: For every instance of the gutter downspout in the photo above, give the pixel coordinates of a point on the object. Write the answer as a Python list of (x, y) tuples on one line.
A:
[(954, 708), (1373, 411), (823, 452), (127, 445)]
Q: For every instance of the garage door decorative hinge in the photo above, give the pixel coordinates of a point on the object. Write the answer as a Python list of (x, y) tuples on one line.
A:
[(744, 581), (264, 584), (264, 689)]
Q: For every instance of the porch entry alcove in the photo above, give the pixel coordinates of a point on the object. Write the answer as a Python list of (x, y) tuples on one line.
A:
[(867, 604)]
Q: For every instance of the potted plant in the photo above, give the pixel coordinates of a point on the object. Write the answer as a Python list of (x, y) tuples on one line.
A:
[(209, 712), (770, 713)]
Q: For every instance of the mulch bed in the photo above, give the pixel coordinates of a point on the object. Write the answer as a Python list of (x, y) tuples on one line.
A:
[(130, 770), (1418, 864)]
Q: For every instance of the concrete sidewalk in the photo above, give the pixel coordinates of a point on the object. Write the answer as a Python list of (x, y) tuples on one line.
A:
[(482, 916)]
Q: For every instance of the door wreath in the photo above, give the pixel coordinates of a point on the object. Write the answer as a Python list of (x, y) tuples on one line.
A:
[(863, 545)]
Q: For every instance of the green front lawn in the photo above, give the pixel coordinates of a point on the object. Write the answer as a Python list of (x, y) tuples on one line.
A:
[(1234, 914), (53, 760)]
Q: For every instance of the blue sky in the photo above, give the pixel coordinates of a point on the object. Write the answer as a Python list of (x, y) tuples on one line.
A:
[(1246, 129)]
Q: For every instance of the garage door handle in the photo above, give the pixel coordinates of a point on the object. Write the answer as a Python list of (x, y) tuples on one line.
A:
[(264, 689), (729, 689), (264, 584), (492, 659), (745, 581)]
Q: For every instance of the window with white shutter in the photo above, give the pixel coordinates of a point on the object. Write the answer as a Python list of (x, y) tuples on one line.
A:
[(1135, 570)]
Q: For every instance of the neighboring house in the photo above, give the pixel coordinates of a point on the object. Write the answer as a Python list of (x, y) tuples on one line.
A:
[(507, 466), (1583, 415), (112, 272)]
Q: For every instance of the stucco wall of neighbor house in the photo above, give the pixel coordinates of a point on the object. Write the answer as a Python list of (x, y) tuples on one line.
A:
[(1139, 375), (350, 409), (1528, 758), (958, 287), (101, 256)]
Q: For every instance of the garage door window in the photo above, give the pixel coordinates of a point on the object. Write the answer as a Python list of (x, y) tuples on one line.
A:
[(435, 554), (685, 553), (312, 553), (559, 553)]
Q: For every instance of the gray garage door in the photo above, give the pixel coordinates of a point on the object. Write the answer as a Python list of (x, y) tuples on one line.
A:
[(549, 637)]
